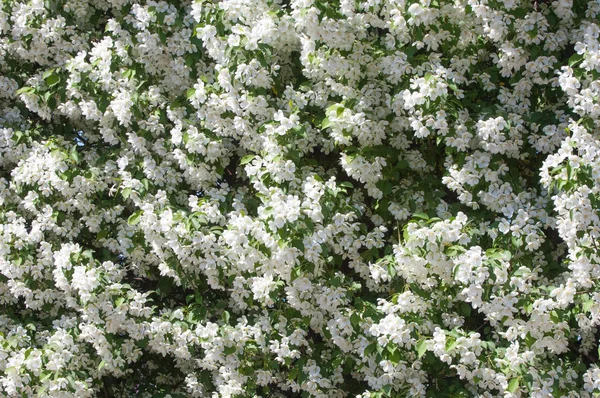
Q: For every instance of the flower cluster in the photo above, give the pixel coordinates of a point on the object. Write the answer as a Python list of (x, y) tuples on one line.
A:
[(299, 198)]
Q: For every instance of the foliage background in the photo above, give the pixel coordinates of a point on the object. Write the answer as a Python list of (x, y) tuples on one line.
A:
[(299, 198)]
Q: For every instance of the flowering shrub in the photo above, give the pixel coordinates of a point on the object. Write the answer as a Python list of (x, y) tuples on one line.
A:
[(299, 198)]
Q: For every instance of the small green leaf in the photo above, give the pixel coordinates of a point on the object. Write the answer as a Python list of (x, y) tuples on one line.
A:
[(74, 154), (190, 93), (128, 73), (18, 136), (529, 340), (46, 96), (370, 349), (246, 159), (47, 73), (394, 354), (225, 317), (513, 385), (575, 59), (102, 234), (134, 218), (126, 192), (421, 348), (52, 80), (421, 215), (189, 298), (25, 90), (143, 343), (466, 309), (293, 373), (71, 381), (451, 344), (454, 250), (326, 123), (229, 350), (302, 376)]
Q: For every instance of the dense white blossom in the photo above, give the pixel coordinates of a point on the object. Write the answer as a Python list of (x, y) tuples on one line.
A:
[(299, 198)]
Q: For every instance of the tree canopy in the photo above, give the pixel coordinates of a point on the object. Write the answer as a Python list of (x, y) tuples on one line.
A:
[(300, 198)]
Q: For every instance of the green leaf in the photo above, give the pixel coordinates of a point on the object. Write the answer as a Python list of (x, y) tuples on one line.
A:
[(326, 123), (293, 373), (451, 344), (190, 93), (46, 375), (52, 80), (575, 59), (465, 308), (143, 343), (225, 317), (529, 340), (246, 159), (229, 350), (355, 319), (74, 154), (102, 234), (454, 250), (421, 215), (71, 381), (394, 354), (370, 349), (47, 96), (302, 376), (18, 136), (89, 254), (126, 192), (25, 90), (421, 348), (48, 73), (346, 184), (513, 385), (128, 73), (134, 218)]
